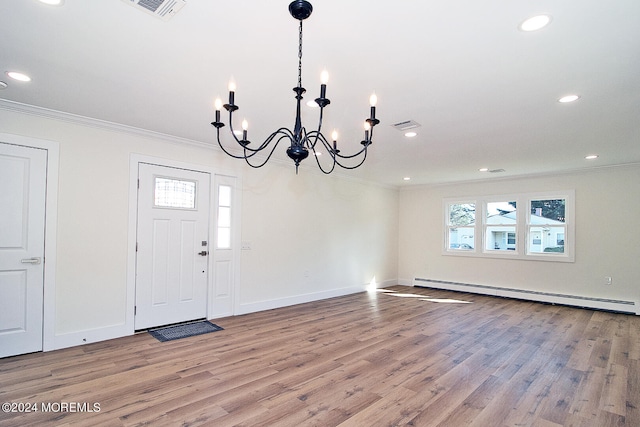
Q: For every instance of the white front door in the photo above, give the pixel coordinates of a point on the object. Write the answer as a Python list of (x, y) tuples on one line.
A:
[(172, 245), (23, 186)]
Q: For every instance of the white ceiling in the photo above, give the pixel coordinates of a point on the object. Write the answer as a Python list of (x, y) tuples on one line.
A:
[(484, 92)]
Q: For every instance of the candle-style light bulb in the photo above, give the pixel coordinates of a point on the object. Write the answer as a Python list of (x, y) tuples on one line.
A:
[(373, 100), (324, 79), (334, 137), (232, 91), (218, 106), (367, 128), (245, 126)]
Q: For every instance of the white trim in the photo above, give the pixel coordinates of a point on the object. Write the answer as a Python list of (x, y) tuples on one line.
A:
[(298, 299), (87, 336), (50, 234)]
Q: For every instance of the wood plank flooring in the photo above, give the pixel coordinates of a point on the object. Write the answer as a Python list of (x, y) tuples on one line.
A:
[(407, 357)]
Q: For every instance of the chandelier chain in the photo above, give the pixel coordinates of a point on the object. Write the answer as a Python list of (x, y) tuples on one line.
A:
[(300, 56)]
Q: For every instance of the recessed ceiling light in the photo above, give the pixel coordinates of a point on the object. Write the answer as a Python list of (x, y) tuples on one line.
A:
[(410, 134), (407, 178), (18, 76), (568, 98), (52, 2), (3, 85), (535, 23), (591, 157), (483, 170)]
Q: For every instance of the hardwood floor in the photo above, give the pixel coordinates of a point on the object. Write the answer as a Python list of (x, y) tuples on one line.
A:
[(382, 359)]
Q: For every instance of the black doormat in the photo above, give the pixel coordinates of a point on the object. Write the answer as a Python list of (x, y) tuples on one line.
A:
[(176, 332)]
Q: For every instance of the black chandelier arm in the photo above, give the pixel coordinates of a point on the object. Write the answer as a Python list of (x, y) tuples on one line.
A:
[(283, 135), (335, 154), (253, 152), (225, 150), (364, 157), (317, 135)]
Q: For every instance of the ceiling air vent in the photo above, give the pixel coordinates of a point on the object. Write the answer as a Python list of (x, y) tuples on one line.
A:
[(496, 171), (406, 125), (163, 9)]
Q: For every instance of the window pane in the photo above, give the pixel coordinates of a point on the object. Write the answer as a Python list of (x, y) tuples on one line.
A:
[(174, 193), (548, 239), (501, 213), (461, 238), (224, 195), (462, 214), (224, 238), (501, 238), (547, 211), (224, 217)]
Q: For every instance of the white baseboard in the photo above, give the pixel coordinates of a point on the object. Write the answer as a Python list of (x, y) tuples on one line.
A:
[(73, 339), (301, 299)]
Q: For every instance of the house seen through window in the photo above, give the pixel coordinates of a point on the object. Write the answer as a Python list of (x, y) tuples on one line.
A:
[(493, 226)]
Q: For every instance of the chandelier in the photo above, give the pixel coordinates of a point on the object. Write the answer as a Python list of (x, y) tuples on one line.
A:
[(301, 141)]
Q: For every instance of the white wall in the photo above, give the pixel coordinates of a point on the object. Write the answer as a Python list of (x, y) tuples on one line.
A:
[(607, 236), (312, 236)]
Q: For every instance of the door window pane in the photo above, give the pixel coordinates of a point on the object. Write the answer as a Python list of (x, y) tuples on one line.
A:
[(224, 217), (174, 193), (224, 195)]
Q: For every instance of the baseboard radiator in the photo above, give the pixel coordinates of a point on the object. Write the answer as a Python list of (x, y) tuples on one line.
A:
[(632, 307)]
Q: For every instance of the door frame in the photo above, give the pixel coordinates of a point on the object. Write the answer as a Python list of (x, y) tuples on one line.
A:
[(134, 160), (50, 230)]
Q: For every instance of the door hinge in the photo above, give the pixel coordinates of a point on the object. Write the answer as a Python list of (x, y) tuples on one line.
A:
[(138, 183), (136, 246), (135, 309)]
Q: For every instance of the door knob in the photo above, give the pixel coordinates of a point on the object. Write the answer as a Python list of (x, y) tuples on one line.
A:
[(203, 253), (30, 261)]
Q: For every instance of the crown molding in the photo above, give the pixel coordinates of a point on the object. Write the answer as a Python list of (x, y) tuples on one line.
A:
[(77, 119)]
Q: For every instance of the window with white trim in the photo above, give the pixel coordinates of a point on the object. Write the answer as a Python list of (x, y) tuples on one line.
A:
[(493, 227)]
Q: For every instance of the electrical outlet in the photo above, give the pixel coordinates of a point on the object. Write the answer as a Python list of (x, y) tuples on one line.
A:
[(607, 280)]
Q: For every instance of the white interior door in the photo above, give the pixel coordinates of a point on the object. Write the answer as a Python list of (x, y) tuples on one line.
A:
[(172, 245), (22, 217)]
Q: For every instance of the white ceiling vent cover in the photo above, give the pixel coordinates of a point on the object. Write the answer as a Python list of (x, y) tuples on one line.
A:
[(406, 125), (163, 9)]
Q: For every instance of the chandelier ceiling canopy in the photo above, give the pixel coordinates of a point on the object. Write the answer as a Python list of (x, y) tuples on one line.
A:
[(301, 141)]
